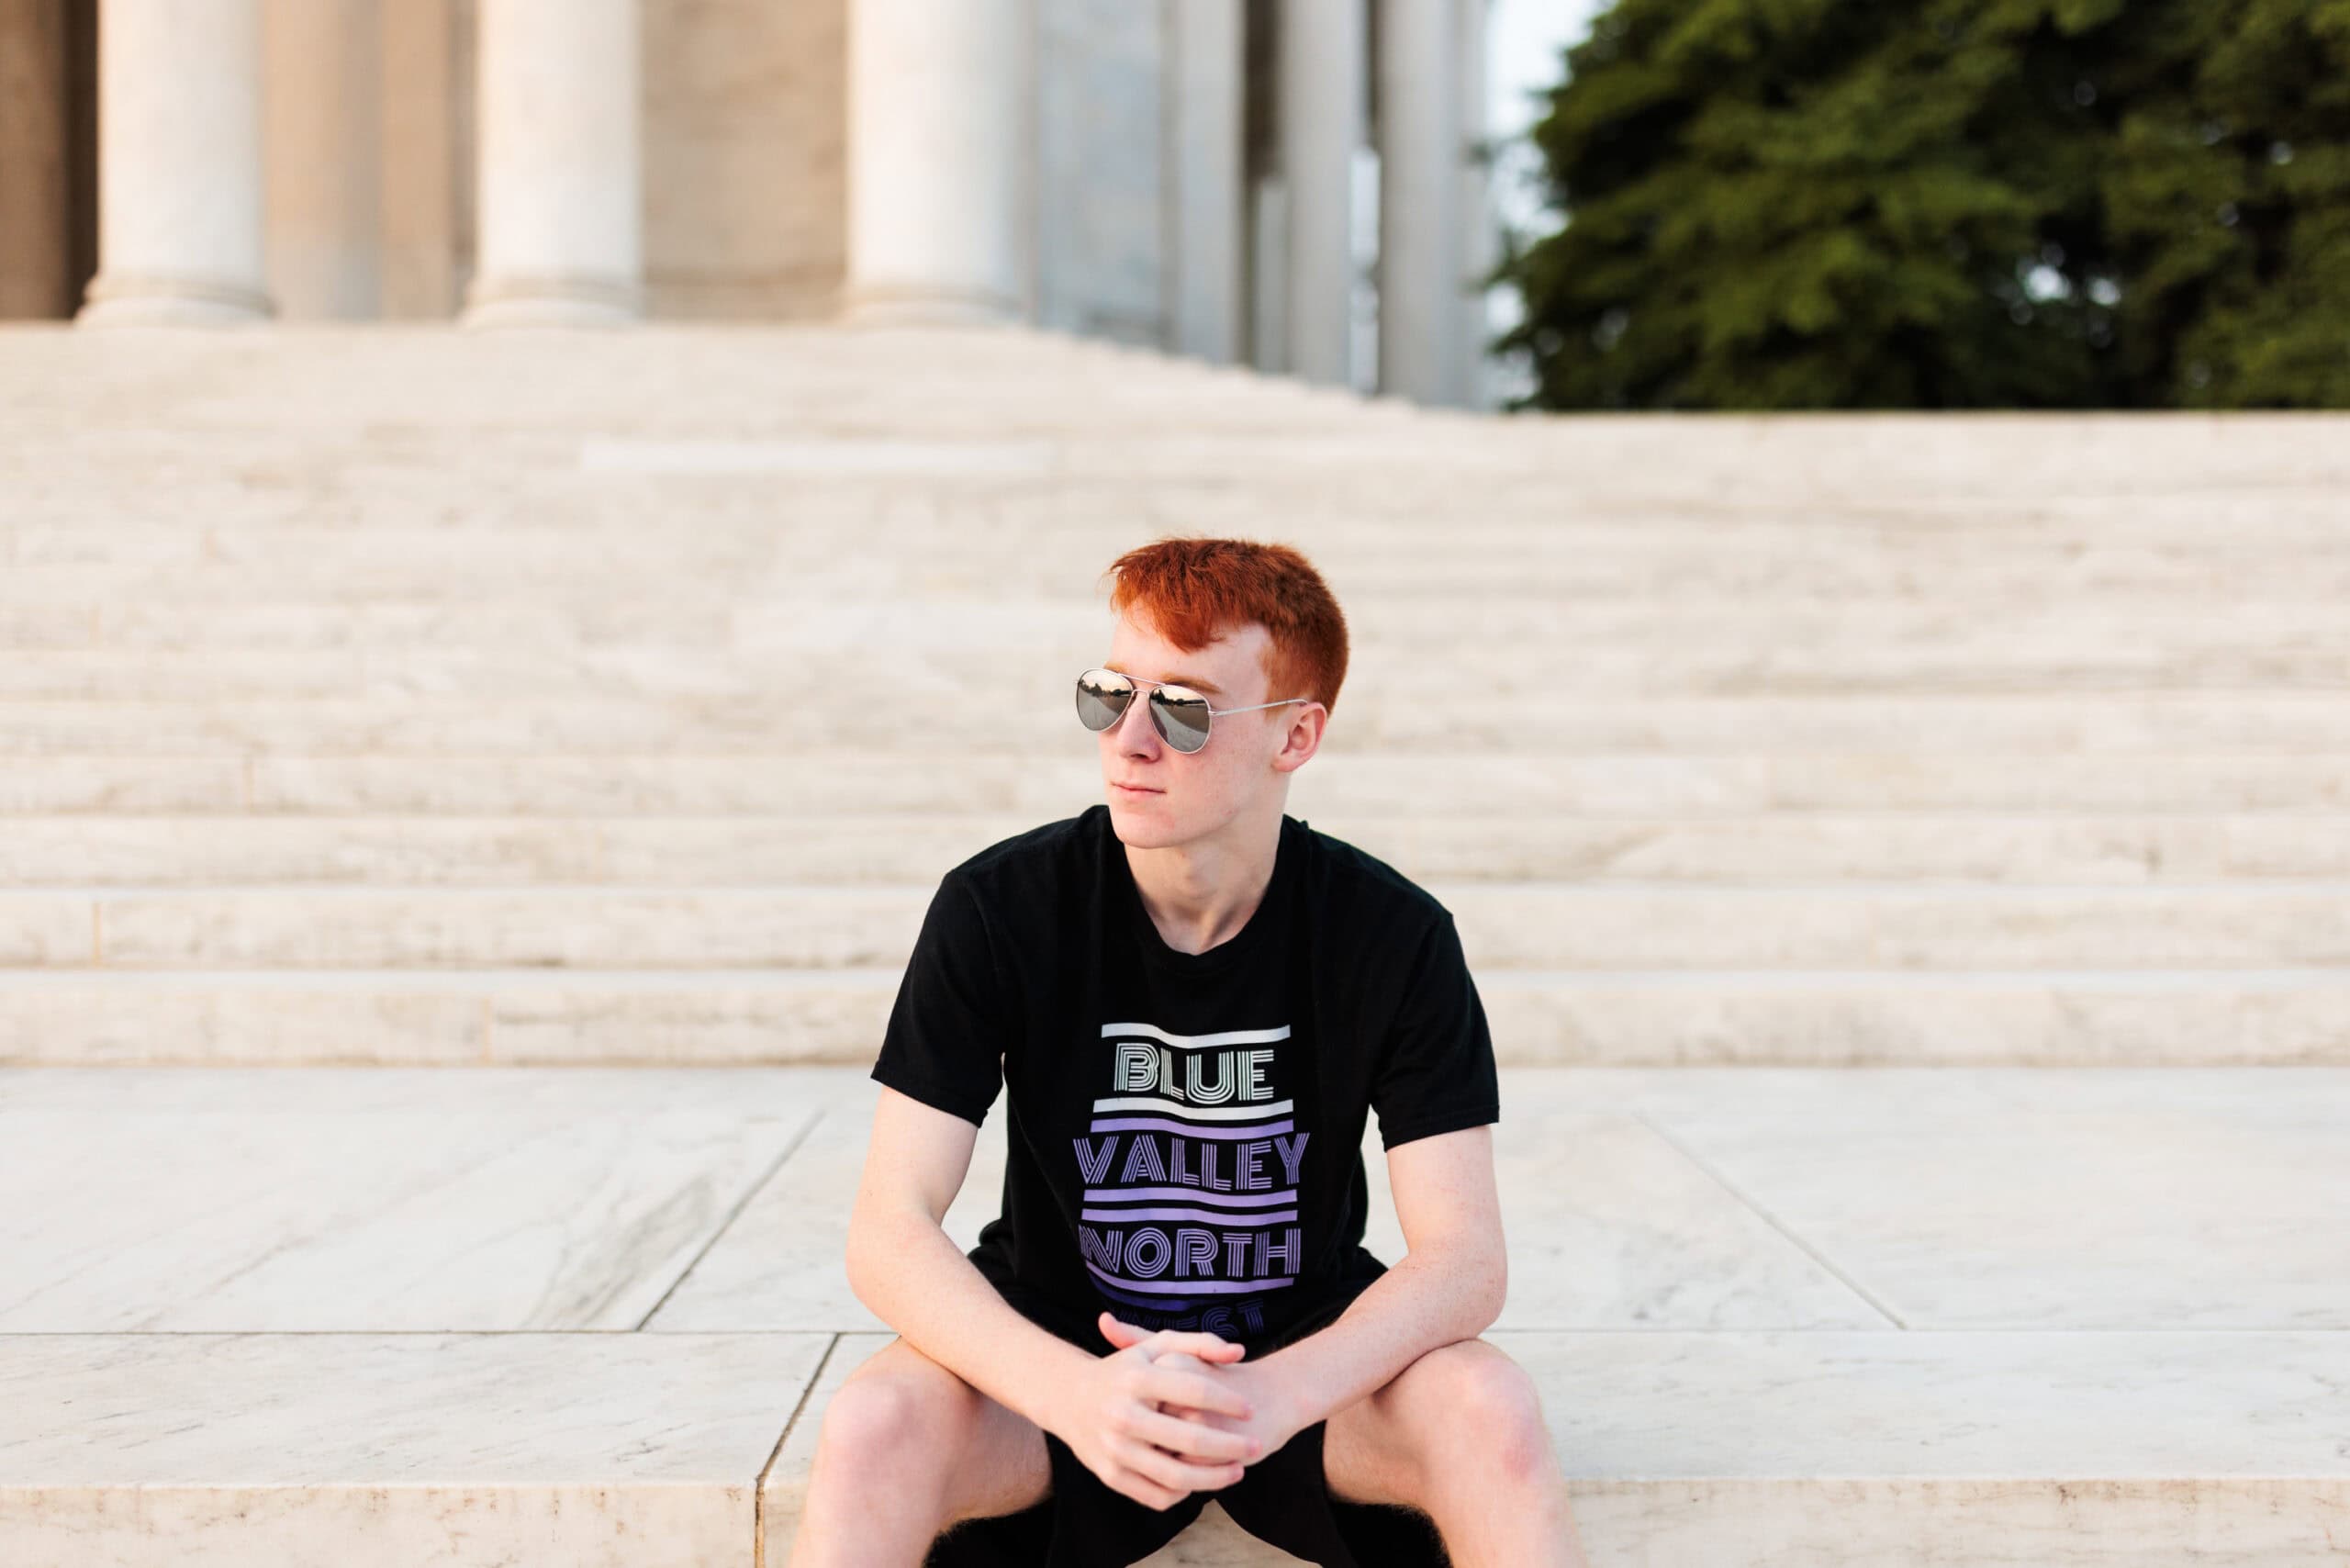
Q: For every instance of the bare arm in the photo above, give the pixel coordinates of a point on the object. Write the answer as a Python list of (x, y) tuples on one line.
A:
[(1112, 1410), (1449, 1284), (908, 1272)]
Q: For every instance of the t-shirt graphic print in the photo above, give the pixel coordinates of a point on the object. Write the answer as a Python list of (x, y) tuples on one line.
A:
[(1183, 1138), (1192, 1165)]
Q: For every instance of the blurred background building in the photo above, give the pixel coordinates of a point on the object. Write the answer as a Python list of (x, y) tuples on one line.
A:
[(1296, 185)]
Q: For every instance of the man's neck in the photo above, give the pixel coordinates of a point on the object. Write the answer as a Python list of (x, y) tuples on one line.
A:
[(1201, 894)]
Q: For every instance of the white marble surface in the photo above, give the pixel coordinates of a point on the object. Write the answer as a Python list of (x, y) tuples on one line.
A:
[(1610, 1227), (255, 1201), (2138, 1404), (781, 1264), (2106, 1198), (226, 1450), (1829, 1318)]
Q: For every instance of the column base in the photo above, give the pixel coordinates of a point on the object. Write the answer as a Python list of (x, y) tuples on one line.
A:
[(116, 300), (924, 308), (551, 302)]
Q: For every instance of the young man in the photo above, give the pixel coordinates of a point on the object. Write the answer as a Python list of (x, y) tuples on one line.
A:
[(1193, 1001)]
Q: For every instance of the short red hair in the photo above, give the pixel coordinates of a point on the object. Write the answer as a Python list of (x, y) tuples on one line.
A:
[(1193, 590)]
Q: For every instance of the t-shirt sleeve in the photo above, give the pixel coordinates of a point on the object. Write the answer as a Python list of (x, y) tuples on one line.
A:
[(947, 1029), (1436, 1070)]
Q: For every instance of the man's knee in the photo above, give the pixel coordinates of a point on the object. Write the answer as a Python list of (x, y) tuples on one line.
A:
[(1493, 1420), (936, 1442), (891, 1424), (1462, 1412)]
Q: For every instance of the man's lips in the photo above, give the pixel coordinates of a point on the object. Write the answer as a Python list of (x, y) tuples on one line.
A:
[(1133, 789)]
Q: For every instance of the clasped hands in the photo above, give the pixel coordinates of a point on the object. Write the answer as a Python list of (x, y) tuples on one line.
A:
[(1170, 1413)]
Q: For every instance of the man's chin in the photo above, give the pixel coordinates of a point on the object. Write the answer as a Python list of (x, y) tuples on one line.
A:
[(1138, 820)]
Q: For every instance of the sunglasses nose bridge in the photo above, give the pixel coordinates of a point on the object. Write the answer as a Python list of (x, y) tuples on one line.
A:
[(1139, 711), (1139, 696)]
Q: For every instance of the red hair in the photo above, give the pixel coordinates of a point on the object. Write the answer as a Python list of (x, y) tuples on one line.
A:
[(1193, 590)]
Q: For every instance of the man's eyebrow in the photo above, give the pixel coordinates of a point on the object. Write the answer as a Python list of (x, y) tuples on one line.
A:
[(1196, 683)]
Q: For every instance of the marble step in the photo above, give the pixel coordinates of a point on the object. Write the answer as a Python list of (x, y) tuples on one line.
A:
[(1335, 481), (1335, 472), (1409, 630), (60, 518), (1032, 713), (644, 848), (308, 374), (1042, 405), (1469, 793), (1900, 928), (775, 658), (530, 1450), (231, 563), (554, 1017), (224, 521), (596, 1317), (455, 404)]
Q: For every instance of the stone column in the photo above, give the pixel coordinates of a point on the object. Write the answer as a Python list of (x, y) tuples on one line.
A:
[(1209, 64), (1322, 81), (939, 161), (1480, 246), (1420, 244), (179, 164), (323, 61), (561, 226)]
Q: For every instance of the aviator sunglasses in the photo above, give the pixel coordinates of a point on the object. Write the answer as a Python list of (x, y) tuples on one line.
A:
[(1180, 714)]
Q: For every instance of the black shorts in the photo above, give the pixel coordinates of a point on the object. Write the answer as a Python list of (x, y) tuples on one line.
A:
[(1284, 1499)]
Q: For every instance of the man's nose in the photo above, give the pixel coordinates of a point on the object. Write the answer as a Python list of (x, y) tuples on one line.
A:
[(1137, 713)]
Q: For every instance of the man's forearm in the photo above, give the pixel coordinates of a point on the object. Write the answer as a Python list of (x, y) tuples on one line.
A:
[(1423, 1301), (916, 1280)]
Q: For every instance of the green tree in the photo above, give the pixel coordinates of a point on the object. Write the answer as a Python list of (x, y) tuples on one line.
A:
[(1786, 204), (2225, 192)]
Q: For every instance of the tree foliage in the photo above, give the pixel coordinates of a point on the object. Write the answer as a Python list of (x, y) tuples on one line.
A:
[(1932, 204)]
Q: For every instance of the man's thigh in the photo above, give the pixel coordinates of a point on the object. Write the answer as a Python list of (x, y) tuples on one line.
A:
[(997, 1462)]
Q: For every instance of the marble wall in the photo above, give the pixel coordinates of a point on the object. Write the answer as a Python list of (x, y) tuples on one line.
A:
[(744, 166), (1102, 186)]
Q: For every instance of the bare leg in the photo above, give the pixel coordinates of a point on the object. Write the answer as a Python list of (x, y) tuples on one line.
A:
[(1505, 1508), (907, 1449), (1459, 1433)]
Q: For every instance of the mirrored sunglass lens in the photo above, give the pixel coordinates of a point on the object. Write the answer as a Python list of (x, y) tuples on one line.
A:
[(1183, 717), (1101, 698)]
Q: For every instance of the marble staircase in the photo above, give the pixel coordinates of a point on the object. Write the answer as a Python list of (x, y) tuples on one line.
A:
[(384, 695), (1904, 861)]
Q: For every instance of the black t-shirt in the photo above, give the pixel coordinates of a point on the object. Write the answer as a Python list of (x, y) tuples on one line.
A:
[(1186, 1129)]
